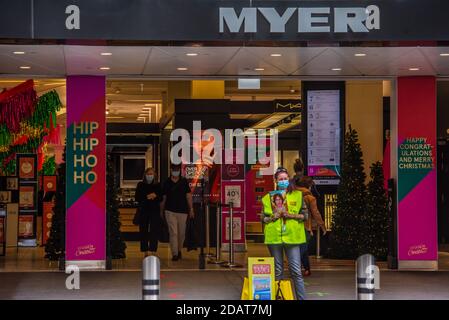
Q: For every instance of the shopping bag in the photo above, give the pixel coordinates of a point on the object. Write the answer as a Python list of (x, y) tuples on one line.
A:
[(245, 290), (136, 219), (164, 236), (284, 290), (190, 241)]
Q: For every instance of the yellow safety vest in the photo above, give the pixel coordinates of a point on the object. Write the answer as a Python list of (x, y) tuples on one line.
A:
[(293, 232)]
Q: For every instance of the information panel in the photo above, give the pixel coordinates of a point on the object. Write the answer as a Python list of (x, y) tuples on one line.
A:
[(323, 136)]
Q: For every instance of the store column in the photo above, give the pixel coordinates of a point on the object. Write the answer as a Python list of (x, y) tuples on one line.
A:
[(415, 170), (86, 171)]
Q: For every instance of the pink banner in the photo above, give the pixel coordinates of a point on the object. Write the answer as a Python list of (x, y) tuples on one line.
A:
[(417, 194), (86, 170)]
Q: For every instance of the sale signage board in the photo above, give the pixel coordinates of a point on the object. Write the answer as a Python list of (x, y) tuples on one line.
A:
[(261, 279), (233, 192)]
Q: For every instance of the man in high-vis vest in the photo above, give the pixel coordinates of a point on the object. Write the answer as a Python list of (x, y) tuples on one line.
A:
[(284, 214)]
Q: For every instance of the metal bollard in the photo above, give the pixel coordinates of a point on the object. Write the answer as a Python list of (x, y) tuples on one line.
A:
[(231, 263), (318, 243), (217, 259), (151, 278), (367, 277), (208, 254)]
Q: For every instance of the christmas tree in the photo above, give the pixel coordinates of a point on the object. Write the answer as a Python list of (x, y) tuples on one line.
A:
[(376, 222), (115, 243), (345, 240), (55, 246)]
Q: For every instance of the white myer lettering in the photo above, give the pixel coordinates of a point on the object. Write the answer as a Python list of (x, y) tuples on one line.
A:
[(73, 20), (353, 19)]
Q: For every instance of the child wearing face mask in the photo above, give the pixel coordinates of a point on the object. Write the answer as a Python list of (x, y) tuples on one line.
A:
[(149, 196)]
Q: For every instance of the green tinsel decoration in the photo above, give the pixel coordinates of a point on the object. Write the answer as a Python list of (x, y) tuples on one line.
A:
[(49, 166), (44, 115), (45, 111)]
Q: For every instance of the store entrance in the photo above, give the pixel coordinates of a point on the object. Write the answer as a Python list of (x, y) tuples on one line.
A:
[(141, 115)]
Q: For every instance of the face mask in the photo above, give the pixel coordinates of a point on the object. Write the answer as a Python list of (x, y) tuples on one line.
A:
[(149, 178), (175, 173), (283, 184)]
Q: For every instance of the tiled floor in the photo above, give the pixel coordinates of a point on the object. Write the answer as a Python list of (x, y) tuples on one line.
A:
[(31, 260), (214, 285)]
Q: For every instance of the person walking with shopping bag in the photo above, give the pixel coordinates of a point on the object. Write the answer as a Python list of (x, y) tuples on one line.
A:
[(176, 207), (284, 214)]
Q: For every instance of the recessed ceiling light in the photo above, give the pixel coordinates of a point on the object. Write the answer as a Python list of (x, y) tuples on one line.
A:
[(105, 68), (444, 54), (106, 53), (336, 69), (259, 69), (114, 117), (25, 67), (182, 69), (413, 69), (191, 54), (360, 55), (19, 52), (276, 55)]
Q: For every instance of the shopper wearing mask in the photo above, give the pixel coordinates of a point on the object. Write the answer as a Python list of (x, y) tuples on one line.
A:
[(305, 185), (176, 206), (148, 195), (284, 229)]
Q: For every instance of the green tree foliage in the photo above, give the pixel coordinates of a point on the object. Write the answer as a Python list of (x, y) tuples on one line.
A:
[(55, 246), (376, 222), (116, 244), (345, 240)]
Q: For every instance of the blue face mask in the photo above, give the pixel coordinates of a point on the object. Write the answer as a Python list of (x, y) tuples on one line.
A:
[(175, 173), (149, 178), (283, 184)]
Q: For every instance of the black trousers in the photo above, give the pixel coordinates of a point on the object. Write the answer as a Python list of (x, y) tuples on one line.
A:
[(150, 229), (304, 247)]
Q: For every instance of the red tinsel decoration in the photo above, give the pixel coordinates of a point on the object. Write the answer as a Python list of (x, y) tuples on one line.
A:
[(54, 136), (17, 104), (11, 157), (40, 157), (22, 140)]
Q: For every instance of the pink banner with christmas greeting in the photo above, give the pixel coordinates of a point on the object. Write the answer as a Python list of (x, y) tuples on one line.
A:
[(86, 171), (417, 184)]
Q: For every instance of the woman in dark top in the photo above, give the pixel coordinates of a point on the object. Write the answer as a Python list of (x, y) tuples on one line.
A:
[(149, 195)]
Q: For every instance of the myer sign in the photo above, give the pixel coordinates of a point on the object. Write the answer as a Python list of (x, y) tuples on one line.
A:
[(227, 21), (355, 19)]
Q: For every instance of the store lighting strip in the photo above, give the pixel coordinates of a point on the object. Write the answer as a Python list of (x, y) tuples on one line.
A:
[(271, 120)]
